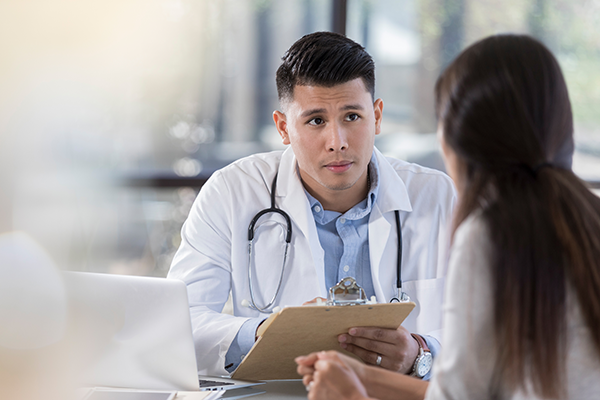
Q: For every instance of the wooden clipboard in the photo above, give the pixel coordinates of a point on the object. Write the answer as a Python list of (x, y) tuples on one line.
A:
[(297, 331)]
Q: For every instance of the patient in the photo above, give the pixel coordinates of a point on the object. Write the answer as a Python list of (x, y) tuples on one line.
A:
[(522, 309)]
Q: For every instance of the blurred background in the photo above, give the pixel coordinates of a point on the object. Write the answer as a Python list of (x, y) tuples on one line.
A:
[(114, 112)]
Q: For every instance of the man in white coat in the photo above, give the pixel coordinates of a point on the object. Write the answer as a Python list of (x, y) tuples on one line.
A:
[(341, 195)]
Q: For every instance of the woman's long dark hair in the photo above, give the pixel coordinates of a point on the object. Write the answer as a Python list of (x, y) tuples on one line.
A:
[(504, 110)]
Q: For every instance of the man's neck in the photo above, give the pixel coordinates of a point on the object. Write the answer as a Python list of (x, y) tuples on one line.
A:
[(342, 200)]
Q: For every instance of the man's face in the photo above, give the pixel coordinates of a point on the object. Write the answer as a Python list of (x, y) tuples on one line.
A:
[(332, 131)]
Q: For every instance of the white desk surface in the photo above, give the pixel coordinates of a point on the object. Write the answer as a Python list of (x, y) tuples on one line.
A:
[(291, 389), (274, 390)]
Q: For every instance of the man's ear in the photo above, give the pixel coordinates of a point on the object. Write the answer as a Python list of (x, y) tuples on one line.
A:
[(378, 109), (281, 125)]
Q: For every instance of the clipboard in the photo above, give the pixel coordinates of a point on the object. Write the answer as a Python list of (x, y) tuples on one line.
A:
[(298, 331)]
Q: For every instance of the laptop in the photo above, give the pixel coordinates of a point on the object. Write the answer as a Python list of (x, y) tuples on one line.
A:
[(135, 332)]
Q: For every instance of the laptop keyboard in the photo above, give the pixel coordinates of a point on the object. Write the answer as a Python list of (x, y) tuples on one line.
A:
[(206, 383)]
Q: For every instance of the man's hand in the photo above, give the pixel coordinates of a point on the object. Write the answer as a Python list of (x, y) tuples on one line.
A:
[(331, 375), (397, 348)]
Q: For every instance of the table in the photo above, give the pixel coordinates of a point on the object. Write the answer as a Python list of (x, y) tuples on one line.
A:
[(292, 389), (288, 389)]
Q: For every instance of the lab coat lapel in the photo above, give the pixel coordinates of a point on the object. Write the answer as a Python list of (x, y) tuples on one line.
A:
[(379, 234), (383, 241), (290, 194)]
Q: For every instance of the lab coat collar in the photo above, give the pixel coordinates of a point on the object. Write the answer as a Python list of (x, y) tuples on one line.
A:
[(393, 194), (290, 194), (290, 188)]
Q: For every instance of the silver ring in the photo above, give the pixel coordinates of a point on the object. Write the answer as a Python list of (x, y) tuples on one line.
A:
[(309, 386), (378, 362)]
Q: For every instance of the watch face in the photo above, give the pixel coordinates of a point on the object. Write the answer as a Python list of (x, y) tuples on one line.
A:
[(424, 364)]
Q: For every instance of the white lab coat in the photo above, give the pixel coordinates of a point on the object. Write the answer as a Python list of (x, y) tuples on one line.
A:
[(213, 257)]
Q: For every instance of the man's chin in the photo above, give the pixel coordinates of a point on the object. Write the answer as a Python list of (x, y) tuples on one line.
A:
[(339, 186)]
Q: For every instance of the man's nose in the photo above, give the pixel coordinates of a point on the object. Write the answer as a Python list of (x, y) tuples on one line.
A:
[(337, 139)]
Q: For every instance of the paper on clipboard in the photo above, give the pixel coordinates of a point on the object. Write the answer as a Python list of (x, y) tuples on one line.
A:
[(296, 331)]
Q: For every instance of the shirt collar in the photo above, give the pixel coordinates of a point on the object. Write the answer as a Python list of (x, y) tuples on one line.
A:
[(359, 210)]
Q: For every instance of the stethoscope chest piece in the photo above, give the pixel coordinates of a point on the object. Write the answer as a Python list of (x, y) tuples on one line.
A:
[(401, 297)]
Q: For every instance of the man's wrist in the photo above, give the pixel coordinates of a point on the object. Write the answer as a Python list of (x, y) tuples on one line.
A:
[(412, 356), (424, 360), (421, 342)]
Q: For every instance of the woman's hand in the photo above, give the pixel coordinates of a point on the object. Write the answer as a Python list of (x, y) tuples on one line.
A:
[(331, 375)]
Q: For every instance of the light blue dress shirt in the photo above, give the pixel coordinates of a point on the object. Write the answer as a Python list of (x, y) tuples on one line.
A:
[(345, 241), (344, 238)]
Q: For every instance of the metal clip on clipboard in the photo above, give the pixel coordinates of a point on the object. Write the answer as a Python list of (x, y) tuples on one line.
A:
[(346, 293)]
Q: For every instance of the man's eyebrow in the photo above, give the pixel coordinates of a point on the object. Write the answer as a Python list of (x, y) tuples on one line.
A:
[(314, 111), (347, 107), (353, 107)]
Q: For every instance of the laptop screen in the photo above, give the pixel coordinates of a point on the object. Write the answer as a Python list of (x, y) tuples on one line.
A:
[(137, 331)]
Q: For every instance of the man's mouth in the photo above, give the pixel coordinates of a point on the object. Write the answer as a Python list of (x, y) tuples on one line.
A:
[(339, 166)]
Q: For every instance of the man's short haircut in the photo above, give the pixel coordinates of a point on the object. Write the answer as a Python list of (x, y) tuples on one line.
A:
[(324, 59)]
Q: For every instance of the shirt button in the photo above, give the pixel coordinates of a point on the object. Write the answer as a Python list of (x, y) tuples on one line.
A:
[(317, 209), (346, 268), (242, 357), (342, 220)]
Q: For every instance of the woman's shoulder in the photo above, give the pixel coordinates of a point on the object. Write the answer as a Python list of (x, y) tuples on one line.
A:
[(471, 252), (473, 231)]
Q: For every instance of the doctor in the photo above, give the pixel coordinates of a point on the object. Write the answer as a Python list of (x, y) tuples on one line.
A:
[(340, 194)]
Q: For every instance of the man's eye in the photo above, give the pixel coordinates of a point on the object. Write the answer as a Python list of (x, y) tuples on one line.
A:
[(352, 117), (316, 121)]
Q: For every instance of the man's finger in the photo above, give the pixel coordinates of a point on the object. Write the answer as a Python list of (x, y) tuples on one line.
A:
[(372, 345), (367, 356), (370, 358), (380, 334)]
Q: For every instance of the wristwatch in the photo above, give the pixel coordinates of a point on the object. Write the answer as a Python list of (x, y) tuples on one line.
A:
[(424, 360)]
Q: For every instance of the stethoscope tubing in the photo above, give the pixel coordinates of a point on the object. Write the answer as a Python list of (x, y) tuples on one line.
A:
[(272, 209), (401, 296), (252, 302), (288, 239)]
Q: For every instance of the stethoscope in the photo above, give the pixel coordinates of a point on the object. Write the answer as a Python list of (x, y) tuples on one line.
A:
[(401, 296)]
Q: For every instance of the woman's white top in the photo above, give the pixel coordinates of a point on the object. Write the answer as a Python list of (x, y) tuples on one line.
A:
[(463, 370)]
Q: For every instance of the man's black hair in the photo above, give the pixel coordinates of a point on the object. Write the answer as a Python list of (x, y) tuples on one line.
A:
[(324, 59)]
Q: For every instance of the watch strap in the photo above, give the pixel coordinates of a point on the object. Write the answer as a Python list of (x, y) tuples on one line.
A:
[(421, 341), (423, 356)]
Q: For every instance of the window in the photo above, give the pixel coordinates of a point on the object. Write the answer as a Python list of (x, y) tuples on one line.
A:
[(112, 113), (412, 41)]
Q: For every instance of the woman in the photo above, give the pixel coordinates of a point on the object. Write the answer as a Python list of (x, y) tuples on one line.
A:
[(522, 311)]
